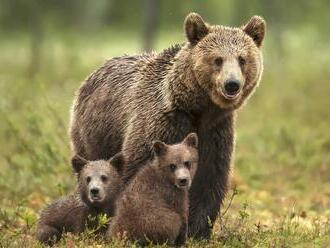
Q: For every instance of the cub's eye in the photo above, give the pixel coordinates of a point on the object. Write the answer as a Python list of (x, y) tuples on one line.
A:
[(218, 61), (88, 179), (104, 178), (172, 167), (241, 61), (187, 164)]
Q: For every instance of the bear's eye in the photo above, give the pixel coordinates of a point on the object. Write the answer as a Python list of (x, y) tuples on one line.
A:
[(104, 178), (187, 164), (88, 179), (241, 61), (218, 61), (172, 167)]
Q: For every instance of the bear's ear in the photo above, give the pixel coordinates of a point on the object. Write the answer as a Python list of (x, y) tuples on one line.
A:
[(195, 28), (118, 161), (256, 29), (159, 148), (78, 163), (191, 140)]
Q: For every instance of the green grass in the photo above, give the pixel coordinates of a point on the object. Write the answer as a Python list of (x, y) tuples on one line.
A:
[(281, 175)]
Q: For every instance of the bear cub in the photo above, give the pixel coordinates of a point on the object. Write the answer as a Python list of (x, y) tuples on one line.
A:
[(154, 205), (99, 185)]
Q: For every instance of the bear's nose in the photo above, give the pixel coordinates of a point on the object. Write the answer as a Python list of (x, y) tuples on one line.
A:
[(232, 87), (94, 191), (183, 181)]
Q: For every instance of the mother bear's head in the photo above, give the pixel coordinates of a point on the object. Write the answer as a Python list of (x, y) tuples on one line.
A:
[(227, 62)]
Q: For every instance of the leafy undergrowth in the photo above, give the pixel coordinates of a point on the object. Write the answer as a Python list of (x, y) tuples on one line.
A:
[(237, 226), (280, 193)]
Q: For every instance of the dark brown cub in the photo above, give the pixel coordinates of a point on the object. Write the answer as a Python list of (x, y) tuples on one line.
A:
[(154, 206)]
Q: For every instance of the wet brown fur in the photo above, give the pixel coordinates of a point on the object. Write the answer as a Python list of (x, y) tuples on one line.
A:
[(152, 208), (132, 100)]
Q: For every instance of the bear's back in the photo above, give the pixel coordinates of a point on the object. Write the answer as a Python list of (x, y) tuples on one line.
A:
[(106, 100)]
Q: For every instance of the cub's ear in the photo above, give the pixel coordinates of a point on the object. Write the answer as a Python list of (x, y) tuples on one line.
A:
[(191, 140), (256, 29), (118, 161), (78, 163), (195, 28), (159, 148)]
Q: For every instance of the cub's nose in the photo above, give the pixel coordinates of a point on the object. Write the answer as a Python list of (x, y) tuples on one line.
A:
[(94, 191), (183, 182), (232, 87)]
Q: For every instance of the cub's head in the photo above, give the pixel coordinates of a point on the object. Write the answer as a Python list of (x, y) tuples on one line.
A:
[(178, 163), (99, 181), (227, 62)]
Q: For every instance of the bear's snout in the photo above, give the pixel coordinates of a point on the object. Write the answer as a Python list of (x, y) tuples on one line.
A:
[(95, 191), (183, 182), (231, 88), (182, 178)]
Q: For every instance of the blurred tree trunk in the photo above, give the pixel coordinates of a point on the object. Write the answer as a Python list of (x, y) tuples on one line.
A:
[(274, 14), (36, 31), (239, 15), (151, 11)]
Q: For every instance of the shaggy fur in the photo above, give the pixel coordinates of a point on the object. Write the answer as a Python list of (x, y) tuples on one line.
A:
[(154, 206), (77, 211), (132, 100)]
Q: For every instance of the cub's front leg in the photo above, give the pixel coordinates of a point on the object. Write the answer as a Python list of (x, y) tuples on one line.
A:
[(182, 237), (48, 234)]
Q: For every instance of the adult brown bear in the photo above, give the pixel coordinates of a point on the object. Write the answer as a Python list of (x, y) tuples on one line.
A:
[(194, 87)]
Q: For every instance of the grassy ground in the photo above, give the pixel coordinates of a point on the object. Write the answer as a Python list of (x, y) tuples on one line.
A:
[(280, 193)]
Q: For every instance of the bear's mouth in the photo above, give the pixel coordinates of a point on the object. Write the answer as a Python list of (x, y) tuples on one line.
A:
[(95, 199), (183, 186), (230, 90), (230, 97)]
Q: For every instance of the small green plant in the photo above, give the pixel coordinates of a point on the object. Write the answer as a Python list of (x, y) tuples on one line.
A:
[(99, 221), (243, 212)]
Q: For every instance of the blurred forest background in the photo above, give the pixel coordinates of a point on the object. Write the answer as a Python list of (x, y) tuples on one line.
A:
[(280, 193)]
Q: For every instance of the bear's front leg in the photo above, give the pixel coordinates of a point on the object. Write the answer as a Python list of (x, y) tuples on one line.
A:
[(48, 235), (210, 182), (182, 237)]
